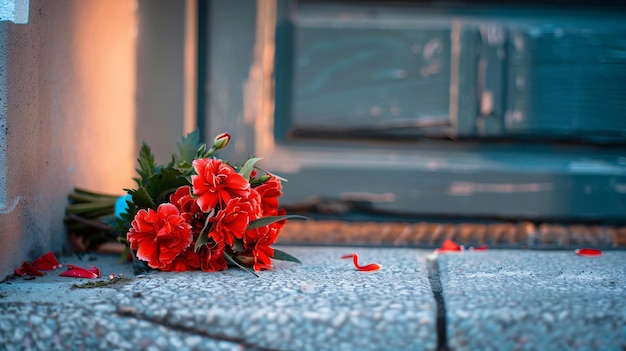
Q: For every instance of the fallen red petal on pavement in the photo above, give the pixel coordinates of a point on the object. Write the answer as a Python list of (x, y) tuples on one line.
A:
[(588, 252), (480, 248), (449, 246), (28, 269), (80, 272), (47, 262), (367, 268)]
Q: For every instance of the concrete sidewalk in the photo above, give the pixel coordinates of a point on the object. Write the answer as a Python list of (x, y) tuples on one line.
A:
[(534, 300), (466, 301)]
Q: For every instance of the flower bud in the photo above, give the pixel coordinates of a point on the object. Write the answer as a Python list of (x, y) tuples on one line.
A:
[(221, 140)]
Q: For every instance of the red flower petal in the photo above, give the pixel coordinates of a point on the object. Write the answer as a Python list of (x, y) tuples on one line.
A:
[(80, 272), (480, 248), (367, 268), (449, 245), (215, 183), (588, 252), (47, 262), (159, 236), (28, 269)]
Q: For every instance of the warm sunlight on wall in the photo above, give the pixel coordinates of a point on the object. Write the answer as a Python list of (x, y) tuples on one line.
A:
[(104, 59), (71, 89)]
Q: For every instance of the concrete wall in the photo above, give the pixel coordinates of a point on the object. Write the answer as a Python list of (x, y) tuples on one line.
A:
[(70, 118)]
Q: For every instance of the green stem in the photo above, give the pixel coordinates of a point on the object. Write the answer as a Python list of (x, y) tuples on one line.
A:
[(90, 223), (233, 261), (92, 193), (100, 206), (80, 198)]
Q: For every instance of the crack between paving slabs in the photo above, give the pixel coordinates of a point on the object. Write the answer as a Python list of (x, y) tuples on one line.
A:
[(437, 289), (181, 328)]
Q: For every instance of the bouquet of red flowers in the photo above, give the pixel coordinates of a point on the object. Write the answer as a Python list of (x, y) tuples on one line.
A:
[(199, 212)]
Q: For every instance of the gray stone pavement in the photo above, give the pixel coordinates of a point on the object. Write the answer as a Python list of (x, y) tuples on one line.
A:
[(534, 300), (500, 300), (322, 304)]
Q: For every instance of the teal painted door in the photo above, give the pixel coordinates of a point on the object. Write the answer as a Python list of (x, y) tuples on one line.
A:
[(471, 111), (502, 73)]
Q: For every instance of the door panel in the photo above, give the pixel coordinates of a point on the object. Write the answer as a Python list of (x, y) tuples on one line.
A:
[(477, 134), (568, 79), (513, 74), (368, 77)]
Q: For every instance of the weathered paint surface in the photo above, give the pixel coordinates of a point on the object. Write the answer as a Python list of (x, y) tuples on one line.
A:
[(369, 76), (320, 83)]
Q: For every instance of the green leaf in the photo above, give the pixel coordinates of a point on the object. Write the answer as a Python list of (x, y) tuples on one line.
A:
[(254, 182), (126, 252), (147, 166), (238, 245), (283, 256), (186, 169), (234, 262), (188, 147), (203, 238), (275, 175), (162, 184), (261, 222), (246, 169), (201, 151), (142, 198), (123, 223), (158, 187)]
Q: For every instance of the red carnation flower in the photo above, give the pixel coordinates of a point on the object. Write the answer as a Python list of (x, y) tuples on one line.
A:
[(257, 243), (270, 191), (256, 202), (212, 258), (258, 258), (262, 257), (183, 200), (231, 222), (159, 236), (188, 208), (216, 183), (188, 260)]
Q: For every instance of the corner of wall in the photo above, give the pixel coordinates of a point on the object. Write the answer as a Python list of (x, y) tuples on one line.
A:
[(15, 11)]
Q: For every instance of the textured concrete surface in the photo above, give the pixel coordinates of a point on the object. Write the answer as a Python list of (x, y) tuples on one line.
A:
[(529, 300), (322, 304), (70, 93), (494, 300)]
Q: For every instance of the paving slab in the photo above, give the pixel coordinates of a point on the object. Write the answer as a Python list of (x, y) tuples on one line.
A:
[(534, 300), (321, 304), (54, 313)]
